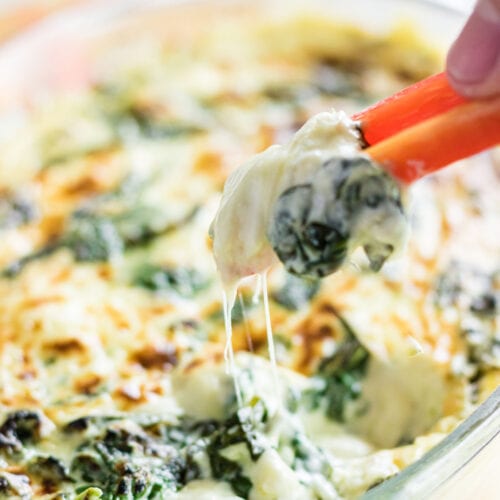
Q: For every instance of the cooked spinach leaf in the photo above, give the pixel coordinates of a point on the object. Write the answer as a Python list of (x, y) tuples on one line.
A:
[(485, 304), (243, 427), (145, 456), (340, 389), (49, 470), (328, 79), (96, 234), (128, 463), (148, 457), (83, 424), (154, 126), (92, 238), (339, 376), (295, 94), (308, 456), (184, 281), (475, 296), (20, 427), (315, 243), (130, 118)]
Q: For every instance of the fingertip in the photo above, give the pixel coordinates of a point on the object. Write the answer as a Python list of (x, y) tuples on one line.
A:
[(472, 65), (484, 90)]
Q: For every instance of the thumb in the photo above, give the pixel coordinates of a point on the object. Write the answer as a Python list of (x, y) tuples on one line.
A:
[(473, 64)]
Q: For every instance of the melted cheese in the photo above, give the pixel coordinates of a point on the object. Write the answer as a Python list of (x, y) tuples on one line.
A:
[(239, 230), (228, 297)]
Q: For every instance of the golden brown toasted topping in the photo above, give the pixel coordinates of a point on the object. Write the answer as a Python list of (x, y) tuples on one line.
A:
[(159, 357), (88, 384)]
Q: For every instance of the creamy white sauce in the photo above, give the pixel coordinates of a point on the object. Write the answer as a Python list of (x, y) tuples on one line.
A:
[(274, 479)]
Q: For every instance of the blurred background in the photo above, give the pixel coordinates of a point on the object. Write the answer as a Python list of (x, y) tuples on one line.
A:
[(15, 15)]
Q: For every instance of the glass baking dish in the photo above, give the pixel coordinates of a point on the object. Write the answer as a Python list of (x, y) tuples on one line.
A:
[(26, 75)]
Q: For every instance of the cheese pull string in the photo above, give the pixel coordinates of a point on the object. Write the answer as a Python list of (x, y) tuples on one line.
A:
[(228, 299), (270, 339)]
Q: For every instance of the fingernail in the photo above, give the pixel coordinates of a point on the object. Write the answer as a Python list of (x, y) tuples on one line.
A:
[(474, 54)]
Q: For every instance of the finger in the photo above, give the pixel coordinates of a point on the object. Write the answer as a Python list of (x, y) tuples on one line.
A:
[(473, 64)]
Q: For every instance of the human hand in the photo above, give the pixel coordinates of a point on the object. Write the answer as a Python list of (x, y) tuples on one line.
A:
[(473, 63)]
